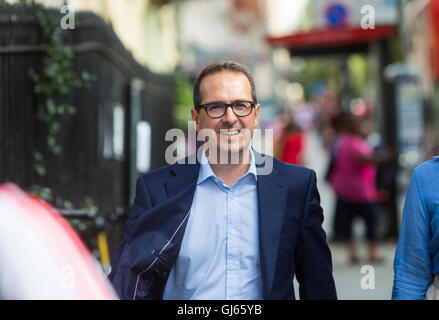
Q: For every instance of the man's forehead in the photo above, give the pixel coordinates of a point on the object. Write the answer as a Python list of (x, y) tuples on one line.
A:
[(226, 79)]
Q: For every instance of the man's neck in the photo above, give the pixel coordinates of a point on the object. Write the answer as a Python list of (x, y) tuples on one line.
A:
[(231, 172)]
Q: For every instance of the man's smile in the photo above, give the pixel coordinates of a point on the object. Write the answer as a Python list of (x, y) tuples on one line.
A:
[(230, 132)]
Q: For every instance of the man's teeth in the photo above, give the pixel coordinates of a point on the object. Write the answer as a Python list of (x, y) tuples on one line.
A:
[(230, 132)]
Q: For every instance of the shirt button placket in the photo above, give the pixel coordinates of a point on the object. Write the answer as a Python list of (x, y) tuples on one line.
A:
[(233, 245)]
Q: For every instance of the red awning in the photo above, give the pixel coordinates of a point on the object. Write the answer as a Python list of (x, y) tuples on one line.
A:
[(332, 37)]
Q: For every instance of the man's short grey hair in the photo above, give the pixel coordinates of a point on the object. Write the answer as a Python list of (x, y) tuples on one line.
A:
[(217, 67)]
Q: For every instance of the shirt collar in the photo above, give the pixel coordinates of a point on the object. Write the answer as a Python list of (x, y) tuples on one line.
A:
[(207, 172)]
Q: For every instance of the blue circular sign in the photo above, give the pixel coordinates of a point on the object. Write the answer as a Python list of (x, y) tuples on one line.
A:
[(336, 15)]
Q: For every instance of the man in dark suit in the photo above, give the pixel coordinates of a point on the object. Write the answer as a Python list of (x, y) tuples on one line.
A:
[(225, 227)]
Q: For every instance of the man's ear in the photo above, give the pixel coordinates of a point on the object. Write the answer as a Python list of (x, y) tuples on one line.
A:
[(196, 118), (257, 106)]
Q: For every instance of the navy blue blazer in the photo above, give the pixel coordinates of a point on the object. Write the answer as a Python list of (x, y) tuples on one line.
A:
[(291, 238)]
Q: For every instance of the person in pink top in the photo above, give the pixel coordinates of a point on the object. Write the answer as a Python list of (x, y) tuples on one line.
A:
[(353, 179)]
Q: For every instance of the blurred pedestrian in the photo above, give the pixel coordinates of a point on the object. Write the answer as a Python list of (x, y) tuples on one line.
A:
[(416, 263), (353, 179), (42, 257), (339, 125), (292, 142), (328, 110)]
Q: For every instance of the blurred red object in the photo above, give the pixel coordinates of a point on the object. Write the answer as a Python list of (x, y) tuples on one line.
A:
[(383, 195), (293, 146), (434, 21), (43, 258)]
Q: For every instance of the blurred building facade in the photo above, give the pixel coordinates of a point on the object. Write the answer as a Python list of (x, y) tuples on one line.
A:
[(277, 38), (220, 30), (98, 163), (147, 28), (356, 40), (421, 41)]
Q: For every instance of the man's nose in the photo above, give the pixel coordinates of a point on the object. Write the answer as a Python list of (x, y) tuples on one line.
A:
[(230, 116)]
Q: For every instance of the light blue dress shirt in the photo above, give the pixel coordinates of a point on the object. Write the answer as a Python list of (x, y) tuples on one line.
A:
[(219, 255), (417, 254)]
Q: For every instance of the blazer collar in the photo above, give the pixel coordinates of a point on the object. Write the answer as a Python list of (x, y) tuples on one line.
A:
[(190, 165), (185, 173), (206, 169)]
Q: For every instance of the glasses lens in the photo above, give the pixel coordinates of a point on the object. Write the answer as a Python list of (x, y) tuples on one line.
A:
[(216, 110), (242, 109)]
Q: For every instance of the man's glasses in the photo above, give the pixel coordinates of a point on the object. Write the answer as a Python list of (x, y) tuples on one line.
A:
[(218, 109)]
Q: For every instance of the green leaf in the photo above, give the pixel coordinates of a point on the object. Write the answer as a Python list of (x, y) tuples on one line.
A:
[(88, 204), (38, 156), (71, 110), (51, 107), (54, 127), (40, 170), (57, 149), (43, 193)]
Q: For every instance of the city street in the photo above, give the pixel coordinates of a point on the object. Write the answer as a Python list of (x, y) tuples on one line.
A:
[(348, 277), (103, 105)]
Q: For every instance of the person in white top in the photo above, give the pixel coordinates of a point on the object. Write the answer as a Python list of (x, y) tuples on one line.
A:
[(42, 257)]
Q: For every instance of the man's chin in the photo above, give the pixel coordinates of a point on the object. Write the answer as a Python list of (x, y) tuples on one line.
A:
[(231, 150), (232, 154), (227, 153)]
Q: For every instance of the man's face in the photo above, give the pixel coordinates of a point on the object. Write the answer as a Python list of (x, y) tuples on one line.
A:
[(233, 133)]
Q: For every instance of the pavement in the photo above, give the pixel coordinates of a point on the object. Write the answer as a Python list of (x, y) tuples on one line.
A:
[(363, 281)]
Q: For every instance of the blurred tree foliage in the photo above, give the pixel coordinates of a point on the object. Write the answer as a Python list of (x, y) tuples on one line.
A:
[(358, 71), (328, 71), (53, 85), (183, 100), (57, 78), (319, 70)]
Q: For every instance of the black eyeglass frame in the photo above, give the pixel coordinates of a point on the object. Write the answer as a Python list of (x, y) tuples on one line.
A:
[(228, 105)]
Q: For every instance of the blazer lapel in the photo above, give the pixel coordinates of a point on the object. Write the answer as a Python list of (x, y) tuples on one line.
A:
[(272, 196), (184, 176), (180, 189)]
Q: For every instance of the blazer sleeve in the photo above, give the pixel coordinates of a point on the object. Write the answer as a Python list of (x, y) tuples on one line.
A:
[(313, 257), (142, 203)]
